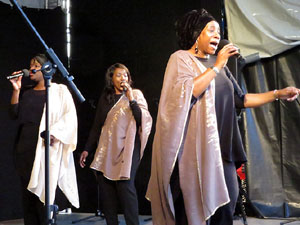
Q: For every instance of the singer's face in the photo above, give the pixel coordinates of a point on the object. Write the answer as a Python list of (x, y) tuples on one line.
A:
[(35, 65), (209, 38), (119, 78)]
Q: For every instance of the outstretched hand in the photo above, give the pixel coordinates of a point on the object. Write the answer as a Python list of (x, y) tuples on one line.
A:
[(288, 93)]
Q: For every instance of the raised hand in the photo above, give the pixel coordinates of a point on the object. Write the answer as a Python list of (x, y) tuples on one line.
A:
[(223, 55), (16, 82)]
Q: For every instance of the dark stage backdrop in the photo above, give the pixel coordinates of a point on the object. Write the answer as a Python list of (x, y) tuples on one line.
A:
[(139, 34), (17, 46), (272, 138)]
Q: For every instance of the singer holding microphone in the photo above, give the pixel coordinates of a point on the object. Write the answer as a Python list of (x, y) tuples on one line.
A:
[(119, 135), (27, 105), (197, 143)]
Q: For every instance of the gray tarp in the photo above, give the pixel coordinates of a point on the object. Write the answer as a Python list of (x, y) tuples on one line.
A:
[(268, 27), (272, 138)]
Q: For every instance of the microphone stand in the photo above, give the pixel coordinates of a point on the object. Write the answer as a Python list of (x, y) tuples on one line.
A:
[(48, 69)]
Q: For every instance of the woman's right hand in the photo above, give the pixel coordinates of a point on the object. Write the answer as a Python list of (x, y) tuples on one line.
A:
[(16, 82), (224, 54), (82, 159)]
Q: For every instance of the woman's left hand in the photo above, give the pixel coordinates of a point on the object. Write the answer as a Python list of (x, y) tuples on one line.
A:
[(288, 93)]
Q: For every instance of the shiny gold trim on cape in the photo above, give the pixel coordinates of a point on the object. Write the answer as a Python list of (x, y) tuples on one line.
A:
[(200, 164), (113, 156)]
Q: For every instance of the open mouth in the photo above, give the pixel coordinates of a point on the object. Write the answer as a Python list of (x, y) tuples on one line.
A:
[(214, 44)]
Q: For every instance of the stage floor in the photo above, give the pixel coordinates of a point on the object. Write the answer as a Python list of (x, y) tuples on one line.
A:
[(90, 219)]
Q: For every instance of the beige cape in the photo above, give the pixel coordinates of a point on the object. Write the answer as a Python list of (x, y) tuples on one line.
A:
[(200, 164), (113, 156), (63, 126)]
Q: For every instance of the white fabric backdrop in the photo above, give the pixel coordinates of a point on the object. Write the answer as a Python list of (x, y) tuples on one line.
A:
[(39, 4), (268, 27)]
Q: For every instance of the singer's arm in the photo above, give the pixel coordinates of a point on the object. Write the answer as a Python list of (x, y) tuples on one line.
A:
[(255, 100), (15, 97), (202, 81), (16, 83)]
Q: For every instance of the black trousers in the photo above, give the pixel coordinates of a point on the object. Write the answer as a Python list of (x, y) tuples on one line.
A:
[(223, 215), (33, 208), (121, 193)]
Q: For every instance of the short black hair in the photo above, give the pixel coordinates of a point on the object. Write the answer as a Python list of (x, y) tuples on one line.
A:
[(40, 58), (189, 27)]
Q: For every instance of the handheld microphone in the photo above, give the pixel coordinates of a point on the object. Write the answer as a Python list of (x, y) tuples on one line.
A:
[(124, 87), (24, 73), (224, 42)]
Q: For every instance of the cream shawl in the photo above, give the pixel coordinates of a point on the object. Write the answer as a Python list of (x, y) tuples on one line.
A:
[(63, 126), (198, 152), (113, 156)]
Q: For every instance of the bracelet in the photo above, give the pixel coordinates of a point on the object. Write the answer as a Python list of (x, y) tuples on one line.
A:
[(217, 71), (275, 93)]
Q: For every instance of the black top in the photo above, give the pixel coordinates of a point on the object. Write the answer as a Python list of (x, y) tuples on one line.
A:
[(29, 113), (103, 108), (228, 98), (30, 107)]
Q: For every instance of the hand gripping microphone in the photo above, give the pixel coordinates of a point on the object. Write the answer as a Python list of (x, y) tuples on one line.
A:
[(224, 42), (24, 73), (124, 87)]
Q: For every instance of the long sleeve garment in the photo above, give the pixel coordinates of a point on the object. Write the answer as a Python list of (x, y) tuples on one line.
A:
[(187, 134), (120, 128), (63, 126), (102, 109), (28, 112)]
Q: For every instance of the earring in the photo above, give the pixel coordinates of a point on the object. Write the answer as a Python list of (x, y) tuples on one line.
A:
[(196, 48)]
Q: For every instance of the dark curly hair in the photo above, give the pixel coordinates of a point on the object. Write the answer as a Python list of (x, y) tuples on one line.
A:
[(189, 27), (109, 89)]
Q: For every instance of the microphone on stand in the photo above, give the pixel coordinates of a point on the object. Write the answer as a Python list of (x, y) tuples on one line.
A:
[(34, 70), (24, 73)]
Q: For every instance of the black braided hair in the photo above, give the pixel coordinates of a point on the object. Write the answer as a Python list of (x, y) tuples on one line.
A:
[(189, 27)]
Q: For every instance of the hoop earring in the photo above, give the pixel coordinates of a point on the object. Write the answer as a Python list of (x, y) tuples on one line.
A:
[(196, 48)]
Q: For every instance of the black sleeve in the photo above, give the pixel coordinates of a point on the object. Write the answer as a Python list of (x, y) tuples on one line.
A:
[(99, 120), (14, 110), (137, 112), (193, 101), (239, 95)]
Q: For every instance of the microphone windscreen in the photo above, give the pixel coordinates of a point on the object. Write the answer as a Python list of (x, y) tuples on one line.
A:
[(26, 72), (222, 43)]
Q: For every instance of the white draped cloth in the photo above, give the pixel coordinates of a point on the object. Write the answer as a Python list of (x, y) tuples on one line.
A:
[(63, 126), (266, 27)]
